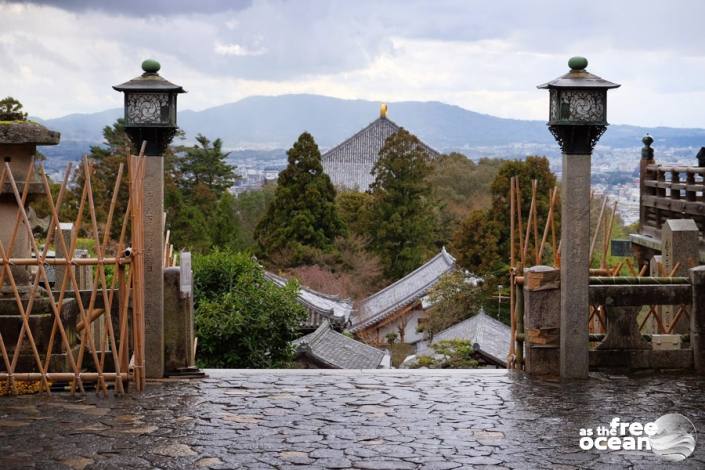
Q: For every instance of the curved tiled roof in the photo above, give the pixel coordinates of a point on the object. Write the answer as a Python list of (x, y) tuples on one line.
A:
[(337, 351), (403, 292), (331, 307), (350, 163), (491, 336)]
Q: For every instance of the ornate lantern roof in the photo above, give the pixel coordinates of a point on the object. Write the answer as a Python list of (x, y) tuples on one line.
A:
[(578, 107), (150, 100)]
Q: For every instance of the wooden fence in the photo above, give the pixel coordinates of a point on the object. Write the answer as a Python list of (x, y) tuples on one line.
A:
[(104, 342)]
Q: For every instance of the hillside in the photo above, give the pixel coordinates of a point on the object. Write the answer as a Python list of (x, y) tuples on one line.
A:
[(271, 122)]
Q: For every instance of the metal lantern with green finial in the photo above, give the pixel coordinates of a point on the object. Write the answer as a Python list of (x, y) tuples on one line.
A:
[(578, 107), (150, 108)]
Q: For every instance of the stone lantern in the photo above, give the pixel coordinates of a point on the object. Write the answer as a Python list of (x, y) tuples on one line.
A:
[(577, 119), (19, 139), (150, 109), (18, 144), (150, 116)]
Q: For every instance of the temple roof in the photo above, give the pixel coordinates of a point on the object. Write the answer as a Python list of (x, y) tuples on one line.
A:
[(337, 351), (411, 288), (332, 307), (491, 336), (350, 163)]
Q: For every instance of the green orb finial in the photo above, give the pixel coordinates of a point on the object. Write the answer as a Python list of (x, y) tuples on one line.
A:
[(647, 140), (151, 66), (578, 63)]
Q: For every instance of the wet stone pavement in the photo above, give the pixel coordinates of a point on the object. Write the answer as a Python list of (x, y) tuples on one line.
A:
[(343, 419)]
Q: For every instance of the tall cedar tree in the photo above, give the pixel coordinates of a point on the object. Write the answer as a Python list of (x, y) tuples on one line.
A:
[(303, 218), (200, 209), (404, 214)]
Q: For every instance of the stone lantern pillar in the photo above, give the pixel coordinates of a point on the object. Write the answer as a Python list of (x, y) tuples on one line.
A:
[(18, 144), (577, 120), (150, 116)]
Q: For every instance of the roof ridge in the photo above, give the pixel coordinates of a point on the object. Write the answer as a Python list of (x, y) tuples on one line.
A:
[(357, 341), (443, 253), (468, 319), (318, 334), (276, 278), (360, 132)]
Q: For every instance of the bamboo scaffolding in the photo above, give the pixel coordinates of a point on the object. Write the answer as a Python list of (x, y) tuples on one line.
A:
[(128, 276)]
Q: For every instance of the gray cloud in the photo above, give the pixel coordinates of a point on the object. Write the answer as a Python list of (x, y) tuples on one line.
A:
[(143, 7), (481, 55)]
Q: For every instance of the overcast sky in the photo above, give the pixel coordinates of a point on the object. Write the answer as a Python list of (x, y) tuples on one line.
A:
[(60, 57)]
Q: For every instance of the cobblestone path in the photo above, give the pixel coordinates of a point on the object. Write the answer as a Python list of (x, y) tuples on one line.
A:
[(343, 419)]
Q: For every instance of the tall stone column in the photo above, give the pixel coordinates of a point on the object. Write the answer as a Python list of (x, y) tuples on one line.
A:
[(150, 118), (153, 266), (575, 265), (577, 119)]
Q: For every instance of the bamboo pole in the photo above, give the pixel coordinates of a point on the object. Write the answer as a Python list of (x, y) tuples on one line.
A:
[(597, 227), (517, 193), (512, 284), (549, 223), (609, 232), (511, 222), (534, 192), (62, 376), (122, 260), (529, 219)]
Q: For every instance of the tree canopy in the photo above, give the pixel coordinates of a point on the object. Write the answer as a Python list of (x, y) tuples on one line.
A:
[(303, 218), (402, 208), (11, 110), (242, 319)]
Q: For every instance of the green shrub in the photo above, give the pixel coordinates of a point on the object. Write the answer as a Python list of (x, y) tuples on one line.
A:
[(242, 319), (454, 354), (391, 338)]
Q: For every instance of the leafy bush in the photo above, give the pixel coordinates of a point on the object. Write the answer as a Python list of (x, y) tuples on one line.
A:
[(242, 319), (450, 354)]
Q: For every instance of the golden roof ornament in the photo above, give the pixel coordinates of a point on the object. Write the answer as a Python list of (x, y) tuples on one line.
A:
[(383, 111)]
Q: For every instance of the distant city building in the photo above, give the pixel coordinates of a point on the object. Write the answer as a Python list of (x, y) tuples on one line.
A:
[(350, 163)]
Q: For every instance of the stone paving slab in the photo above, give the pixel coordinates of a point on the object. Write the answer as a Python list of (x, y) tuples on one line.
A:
[(345, 419)]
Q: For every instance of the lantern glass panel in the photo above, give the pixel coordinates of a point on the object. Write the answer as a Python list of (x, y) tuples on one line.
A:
[(578, 106), (148, 109)]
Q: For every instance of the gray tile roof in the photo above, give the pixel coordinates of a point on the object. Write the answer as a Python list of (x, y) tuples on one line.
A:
[(405, 291), (492, 336), (319, 305), (350, 163), (337, 351)]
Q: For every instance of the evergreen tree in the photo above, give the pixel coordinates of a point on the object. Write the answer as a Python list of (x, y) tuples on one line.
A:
[(403, 211), (204, 171), (11, 110), (482, 240), (302, 220), (475, 243), (200, 209), (533, 168)]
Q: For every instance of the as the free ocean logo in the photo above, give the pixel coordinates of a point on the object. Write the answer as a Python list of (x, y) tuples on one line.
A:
[(672, 437)]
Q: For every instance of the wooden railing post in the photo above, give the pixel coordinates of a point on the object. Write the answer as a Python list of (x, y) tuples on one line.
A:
[(697, 318), (542, 314)]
